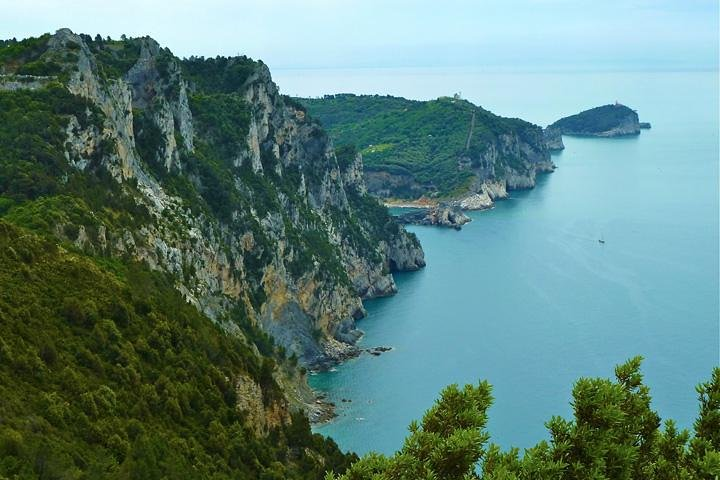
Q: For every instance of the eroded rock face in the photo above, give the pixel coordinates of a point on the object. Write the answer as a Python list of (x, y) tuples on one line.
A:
[(384, 184), (553, 139), (262, 415), (443, 215), (476, 201), (533, 158), (256, 258)]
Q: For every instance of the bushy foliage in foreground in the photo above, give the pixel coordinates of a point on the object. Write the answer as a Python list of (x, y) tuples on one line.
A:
[(106, 372), (615, 434)]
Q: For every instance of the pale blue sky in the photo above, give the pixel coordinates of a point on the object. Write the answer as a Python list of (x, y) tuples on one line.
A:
[(517, 34)]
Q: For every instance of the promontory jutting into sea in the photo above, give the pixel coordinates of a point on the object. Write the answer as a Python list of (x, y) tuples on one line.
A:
[(529, 280), (409, 243)]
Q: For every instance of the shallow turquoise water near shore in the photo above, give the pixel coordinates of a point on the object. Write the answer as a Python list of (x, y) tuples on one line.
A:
[(526, 297)]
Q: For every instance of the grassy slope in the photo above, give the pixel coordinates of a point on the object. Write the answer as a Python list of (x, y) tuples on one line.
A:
[(424, 139)]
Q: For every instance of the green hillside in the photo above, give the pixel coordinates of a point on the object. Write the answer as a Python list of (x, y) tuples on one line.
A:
[(427, 140), (106, 372), (158, 216)]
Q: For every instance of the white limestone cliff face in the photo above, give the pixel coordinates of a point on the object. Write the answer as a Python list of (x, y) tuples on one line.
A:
[(261, 417), (495, 189), (308, 313), (113, 98), (531, 157), (494, 178), (475, 201)]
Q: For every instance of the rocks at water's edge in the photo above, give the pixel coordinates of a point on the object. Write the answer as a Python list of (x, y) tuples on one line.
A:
[(442, 215), (377, 351), (475, 201), (321, 410), (553, 139)]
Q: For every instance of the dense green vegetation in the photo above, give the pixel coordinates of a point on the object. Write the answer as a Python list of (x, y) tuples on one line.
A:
[(114, 57), (219, 74), (615, 434), (422, 140), (15, 54), (32, 135), (38, 187), (106, 372), (595, 120)]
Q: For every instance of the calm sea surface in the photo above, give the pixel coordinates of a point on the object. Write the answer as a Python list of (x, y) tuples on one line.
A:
[(525, 296)]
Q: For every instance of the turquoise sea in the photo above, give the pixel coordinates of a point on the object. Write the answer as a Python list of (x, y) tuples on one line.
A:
[(525, 296)]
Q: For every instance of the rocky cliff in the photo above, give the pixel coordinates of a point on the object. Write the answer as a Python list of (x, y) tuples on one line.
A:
[(442, 215), (200, 168), (553, 139)]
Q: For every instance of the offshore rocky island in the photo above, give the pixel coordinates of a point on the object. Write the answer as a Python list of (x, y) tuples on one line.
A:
[(615, 120)]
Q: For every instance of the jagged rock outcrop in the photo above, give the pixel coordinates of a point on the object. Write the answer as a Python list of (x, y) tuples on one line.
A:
[(484, 196), (393, 184), (239, 197), (261, 417), (475, 201), (443, 215), (528, 152), (614, 120), (553, 139)]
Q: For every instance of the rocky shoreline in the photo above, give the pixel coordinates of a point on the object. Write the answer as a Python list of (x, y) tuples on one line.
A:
[(321, 409), (442, 215)]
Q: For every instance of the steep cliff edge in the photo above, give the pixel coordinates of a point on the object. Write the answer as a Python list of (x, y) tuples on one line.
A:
[(201, 169), (444, 149), (614, 120), (107, 372), (553, 139)]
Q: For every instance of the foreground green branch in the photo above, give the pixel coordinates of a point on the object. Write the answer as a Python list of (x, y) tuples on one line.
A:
[(614, 435)]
